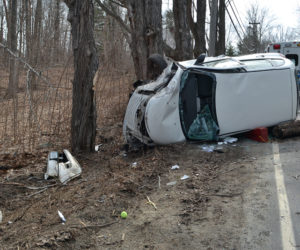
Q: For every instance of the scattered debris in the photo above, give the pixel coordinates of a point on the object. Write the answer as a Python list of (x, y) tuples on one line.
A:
[(63, 165), (151, 203), (134, 164), (184, 177), (172, 183), (175, 167), (208, 149), (97, 147), (9, 222), (123, 237), (0, 216), (158, 182), (296, 176), (230, 140), (259, 134), (62, 217)]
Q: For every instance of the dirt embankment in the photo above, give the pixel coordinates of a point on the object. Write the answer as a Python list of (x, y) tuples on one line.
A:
[(196, 213)]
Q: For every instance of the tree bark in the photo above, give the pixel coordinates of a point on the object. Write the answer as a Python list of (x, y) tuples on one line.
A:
[(183, 39), (213, 28), (13, 84), (28, 29), (83, 122), (198, 28), (56, 42), (146, 33), (220, 47)]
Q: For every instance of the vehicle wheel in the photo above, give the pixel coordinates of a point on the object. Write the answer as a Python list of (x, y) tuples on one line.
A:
[(156, 65)]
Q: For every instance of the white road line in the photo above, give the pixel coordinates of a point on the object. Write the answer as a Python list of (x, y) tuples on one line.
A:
[(286, 225)]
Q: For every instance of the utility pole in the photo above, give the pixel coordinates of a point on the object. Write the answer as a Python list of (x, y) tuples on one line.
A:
[(213, 28), (255, 36)]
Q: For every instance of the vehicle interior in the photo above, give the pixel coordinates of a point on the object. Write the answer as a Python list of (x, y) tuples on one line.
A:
[(196, 105)]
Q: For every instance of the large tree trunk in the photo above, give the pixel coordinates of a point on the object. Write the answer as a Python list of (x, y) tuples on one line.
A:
[(198, 28), (183, 39), (13, 84), (146, 33), (56, 41), (28, 28), (220, 47), (83, 122), (213, 28)]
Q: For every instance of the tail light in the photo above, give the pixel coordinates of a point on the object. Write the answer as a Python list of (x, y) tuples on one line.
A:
[(276, 46)]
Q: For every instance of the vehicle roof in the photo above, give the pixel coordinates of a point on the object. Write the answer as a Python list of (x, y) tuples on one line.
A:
[(239, 60)]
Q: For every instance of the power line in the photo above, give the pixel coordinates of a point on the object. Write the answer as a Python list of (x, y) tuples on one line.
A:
[(238, 19), (236, 28)]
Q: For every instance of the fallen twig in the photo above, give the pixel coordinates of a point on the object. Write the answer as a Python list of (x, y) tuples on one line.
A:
[(91, 226), (226, 195), (38, 192), (151, 203), (28, 187)]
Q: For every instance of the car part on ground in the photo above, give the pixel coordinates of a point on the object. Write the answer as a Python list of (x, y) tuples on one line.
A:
[(63, 165)]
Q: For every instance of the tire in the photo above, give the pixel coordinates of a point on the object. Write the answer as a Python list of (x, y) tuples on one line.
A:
[(156, 65)]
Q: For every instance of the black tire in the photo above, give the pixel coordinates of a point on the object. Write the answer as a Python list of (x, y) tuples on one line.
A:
[(156, 65)]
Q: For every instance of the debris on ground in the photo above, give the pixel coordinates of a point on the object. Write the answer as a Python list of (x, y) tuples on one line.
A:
[(259, 134), (172, 183), (0, 216), (62, 217), (184, 177), (63, 165), (175, 167)]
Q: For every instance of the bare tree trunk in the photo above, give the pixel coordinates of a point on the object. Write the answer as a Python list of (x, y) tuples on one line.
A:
[(146, 33), (220, 47), (1, 24), (198, 28), (213, 28), (83, 122), (28, 29), (56, 36), (13, 85), (183, 39)]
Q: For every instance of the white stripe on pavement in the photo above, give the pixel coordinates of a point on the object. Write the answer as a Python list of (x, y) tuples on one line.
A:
[(286, 225)]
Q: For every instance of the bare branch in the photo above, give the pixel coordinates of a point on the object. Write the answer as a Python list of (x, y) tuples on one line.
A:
[(114, 15), (118, 3)]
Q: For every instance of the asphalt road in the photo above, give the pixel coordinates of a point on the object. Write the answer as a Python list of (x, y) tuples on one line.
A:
[(272, 201)]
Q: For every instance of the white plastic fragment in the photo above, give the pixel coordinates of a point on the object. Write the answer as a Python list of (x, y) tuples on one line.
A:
[(175, 167), (0, 216), (62, 217), (134, 164), (97, 147), (230, 140), (171, 183), (184, 177), (208, 149), (64, 165)]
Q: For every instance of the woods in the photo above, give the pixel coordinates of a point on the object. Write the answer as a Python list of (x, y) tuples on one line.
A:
[(39, 38)]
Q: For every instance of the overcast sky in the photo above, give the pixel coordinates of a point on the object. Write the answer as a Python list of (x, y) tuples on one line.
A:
[(284, 11)]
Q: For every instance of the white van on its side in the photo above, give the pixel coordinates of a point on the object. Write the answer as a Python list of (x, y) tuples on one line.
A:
[(291, 50)]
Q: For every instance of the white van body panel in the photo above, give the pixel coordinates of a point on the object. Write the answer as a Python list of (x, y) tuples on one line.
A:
[(246, 101)]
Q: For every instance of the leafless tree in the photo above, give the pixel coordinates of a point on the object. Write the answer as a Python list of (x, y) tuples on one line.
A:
[(198, 27), (143, 32), (83, 122)]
